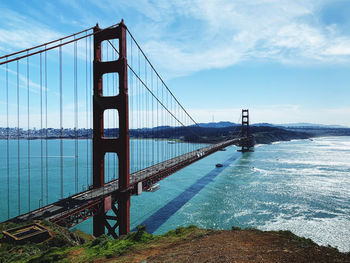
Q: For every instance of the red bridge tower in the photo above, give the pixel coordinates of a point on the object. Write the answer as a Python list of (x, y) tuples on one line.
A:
[(246, 143), (119, 145)]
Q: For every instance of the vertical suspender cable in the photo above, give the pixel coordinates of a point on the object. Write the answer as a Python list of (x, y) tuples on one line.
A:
[(157, 131), (188, 141), (41, 133), (131, 88), (136, 115), (175, 130), (87, 111), (146, 122), (18, 146), (153, 141), (139, 111), (162, 121), (90, 99), (167, 115), (170, 125), (107, 130), (76, 115), (148, 148), (184, 134), (28, 134), (173, 127), (61, 123), (136, 128), (176, 123), (46, 141), (139, 117), (7, 141), (131, 125), (178, 130), (113, 126), (142, 122), (115, 119)]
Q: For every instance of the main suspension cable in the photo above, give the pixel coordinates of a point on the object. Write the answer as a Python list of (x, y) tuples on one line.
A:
[(45, 44), (149, 62), (150, 91), (59, 45)]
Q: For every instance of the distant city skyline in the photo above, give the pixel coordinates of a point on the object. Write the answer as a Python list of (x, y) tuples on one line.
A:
[(286, 61)]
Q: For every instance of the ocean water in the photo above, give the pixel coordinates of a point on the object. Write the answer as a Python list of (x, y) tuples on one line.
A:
[(302, 186)]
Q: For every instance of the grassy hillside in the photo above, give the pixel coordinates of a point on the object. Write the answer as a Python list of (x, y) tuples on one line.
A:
[(185, 244)]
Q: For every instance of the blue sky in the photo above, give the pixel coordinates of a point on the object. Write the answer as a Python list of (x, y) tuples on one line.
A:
[(287, 61)]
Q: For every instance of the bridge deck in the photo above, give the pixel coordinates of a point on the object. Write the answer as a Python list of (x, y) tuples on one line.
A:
[(75, 209)]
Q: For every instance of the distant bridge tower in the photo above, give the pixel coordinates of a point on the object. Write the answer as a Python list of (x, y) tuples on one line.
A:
[(102, 145), (246, 142)]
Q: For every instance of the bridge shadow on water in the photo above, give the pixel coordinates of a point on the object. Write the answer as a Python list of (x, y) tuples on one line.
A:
[(158, 218)]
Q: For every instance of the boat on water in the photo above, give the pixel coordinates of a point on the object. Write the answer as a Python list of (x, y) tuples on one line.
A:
[(223, 149), (171, 142), (219, 165), (153, 188)]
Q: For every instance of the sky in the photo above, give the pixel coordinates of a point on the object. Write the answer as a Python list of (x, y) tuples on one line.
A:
[(286, 61)]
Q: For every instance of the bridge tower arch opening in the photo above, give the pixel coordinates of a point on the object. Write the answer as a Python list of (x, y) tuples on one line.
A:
[(103, 145)]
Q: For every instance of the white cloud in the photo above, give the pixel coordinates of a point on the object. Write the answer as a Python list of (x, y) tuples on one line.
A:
[(19, 32), (214, 34), (340, 47), (182, 37)]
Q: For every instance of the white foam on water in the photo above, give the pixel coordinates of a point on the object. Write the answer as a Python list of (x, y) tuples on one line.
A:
[(312, 186), (323, 161), (336, 230)]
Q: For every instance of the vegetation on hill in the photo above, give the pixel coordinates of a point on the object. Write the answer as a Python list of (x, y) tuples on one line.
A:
[(183, 244), (265, 135)]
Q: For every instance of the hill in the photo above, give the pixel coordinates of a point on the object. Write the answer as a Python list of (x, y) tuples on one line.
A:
[(185, 244)]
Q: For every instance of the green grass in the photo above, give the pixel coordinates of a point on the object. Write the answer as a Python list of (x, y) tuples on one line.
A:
[(107, 247), (59, 248), (180, 231), (51, 250)]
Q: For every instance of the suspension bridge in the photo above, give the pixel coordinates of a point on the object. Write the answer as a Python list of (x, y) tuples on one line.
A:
[(88, 122)]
